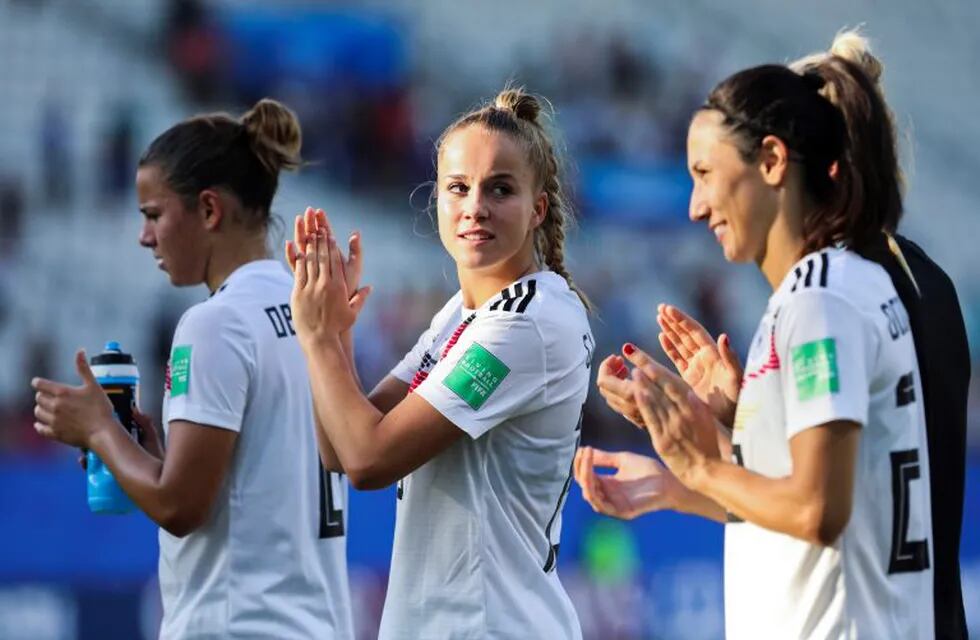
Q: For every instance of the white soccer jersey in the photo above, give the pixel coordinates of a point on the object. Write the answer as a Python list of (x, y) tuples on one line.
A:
[(834, 344), (270, 562), (478, 526)]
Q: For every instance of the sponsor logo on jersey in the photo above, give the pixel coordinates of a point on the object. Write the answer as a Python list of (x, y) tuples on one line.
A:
[(180, 370), (815, 369), (476, 376)]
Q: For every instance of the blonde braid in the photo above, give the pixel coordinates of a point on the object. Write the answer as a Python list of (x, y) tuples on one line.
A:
[(549, 240)]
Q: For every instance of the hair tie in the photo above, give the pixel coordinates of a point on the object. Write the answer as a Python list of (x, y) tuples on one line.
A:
[(814, 80)]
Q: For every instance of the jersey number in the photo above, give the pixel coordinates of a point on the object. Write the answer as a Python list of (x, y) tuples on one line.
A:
[(331, 515), (906, 555)]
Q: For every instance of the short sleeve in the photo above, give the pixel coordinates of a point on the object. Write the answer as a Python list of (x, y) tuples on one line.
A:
[(211, 365), (405, 370), (495, 371), (826, 348)]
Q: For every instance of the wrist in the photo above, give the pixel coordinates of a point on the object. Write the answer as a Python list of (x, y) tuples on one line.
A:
[(318, 340), (96, 439), (698, 476)]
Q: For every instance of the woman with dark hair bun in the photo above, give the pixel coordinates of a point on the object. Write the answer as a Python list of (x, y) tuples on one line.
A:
[(251, 528), (816, 455)]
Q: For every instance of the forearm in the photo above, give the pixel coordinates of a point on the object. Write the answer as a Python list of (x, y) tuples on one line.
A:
[(347, 419), (698, 504), (778, 504), (347, 343), (328, 455), (139, 473)]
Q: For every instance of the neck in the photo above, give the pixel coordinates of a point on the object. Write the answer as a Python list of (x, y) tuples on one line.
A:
[(231, 254), (784, 247), (479, 286)]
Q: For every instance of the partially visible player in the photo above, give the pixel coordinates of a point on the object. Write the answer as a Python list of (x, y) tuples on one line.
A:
[(943, 353), (252, 538), (480, 421), (827, 494)]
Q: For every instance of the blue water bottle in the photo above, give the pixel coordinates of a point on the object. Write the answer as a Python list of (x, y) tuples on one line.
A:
[(116, 372)]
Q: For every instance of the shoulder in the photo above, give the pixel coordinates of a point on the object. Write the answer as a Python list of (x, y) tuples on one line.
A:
[(543, 300), (212, 318), (838, 276)]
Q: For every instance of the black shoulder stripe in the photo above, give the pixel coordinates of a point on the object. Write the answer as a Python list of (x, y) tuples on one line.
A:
[(515, 298), (518, 292), (505, 296), (531, 288), (799, 275), (808, 279)]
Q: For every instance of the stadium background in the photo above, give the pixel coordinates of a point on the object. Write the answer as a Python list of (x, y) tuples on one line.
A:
[(86, 84)]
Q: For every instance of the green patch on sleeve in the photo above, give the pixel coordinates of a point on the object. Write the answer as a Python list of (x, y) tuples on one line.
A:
[(815, 369), (476, 376), (180, 370)]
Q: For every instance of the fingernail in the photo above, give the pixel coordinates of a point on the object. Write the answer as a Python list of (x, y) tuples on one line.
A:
[(629, 348)]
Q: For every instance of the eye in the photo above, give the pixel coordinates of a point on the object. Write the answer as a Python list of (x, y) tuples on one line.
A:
[(458, 188), (501, 189)]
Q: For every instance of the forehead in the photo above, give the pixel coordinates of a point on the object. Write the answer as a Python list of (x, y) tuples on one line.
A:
[(476, 150), (152, 187), (708, 138)]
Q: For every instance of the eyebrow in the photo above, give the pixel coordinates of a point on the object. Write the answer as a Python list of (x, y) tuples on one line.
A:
[(492, 176)]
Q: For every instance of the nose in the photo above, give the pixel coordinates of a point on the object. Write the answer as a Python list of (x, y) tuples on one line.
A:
[(475, 207), (698, 209), (146, 237)]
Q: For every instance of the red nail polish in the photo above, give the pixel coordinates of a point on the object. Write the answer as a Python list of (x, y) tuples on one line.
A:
[(628, 348)]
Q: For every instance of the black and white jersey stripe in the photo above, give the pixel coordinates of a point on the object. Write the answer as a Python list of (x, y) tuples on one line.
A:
[(814, 272), (516, 297)]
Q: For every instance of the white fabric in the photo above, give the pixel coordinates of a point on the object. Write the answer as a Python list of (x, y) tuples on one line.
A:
[(476, 526), (258, 568), (833, 345)]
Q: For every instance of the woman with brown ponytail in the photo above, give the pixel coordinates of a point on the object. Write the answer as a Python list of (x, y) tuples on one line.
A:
[(479, 422), (823, 472), (251, 529)]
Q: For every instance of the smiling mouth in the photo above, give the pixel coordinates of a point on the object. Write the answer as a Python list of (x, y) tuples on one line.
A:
[(477, 235)]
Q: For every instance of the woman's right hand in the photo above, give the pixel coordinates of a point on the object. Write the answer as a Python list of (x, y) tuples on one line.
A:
[(712, 370), (303, 230), (640, 484)]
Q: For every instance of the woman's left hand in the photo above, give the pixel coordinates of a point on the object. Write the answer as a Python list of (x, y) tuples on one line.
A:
[(321, 304), (71, 415), (680, 425)]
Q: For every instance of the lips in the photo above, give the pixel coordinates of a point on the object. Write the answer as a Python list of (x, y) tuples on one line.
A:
[(719, 230), (475, 235)]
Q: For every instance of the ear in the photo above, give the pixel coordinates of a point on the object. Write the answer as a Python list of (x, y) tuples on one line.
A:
[(773, 161), (212, 209), (540, 210)]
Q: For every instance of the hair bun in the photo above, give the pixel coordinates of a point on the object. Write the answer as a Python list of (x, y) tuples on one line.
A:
[(853, 46), (524, 105), (275, 134)]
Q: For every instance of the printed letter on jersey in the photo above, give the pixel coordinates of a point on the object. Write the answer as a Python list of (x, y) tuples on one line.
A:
[(815, 368), (180, 370), (477, 374)]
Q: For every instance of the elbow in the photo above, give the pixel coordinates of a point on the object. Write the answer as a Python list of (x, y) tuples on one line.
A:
[(369, 478), (823, 524), (181, 522)]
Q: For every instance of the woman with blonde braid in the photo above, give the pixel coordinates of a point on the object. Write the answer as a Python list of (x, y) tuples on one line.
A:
[(480, 420)]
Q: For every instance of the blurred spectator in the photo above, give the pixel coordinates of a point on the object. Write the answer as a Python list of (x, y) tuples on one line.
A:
[(117, 153), (11, 221), (194, 48), (55, 146)]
